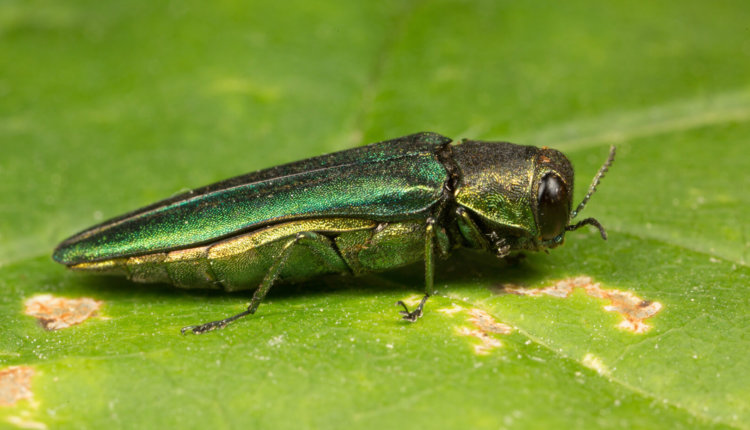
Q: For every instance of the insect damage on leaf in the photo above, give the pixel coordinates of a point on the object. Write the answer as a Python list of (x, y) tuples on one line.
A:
[(15, 384), (451, 310), (55, 313), (486, 323), (633, 309), (595, 363), (486, 326)]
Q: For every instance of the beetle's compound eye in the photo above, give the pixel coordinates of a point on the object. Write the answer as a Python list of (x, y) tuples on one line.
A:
[(553, 206)]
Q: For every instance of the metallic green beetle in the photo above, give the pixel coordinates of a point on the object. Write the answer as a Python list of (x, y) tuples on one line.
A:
[(356, 211)]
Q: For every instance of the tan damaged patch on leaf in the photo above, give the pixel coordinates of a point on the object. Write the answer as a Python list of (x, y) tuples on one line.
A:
[(15, 384), (485, 327), (595, 363), (451, 310), (486, 323), (55, 313), (632, 308), (26, 423)]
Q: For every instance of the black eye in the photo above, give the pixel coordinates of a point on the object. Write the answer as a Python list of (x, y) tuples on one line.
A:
[(552, 205)]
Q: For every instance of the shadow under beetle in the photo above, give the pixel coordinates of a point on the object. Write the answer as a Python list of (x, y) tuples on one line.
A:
[(361, 210)]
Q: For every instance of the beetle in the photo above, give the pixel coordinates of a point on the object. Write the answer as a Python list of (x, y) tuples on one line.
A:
[(356, 211)]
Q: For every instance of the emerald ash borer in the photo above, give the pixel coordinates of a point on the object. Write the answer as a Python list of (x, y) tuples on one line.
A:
[(361, 210)]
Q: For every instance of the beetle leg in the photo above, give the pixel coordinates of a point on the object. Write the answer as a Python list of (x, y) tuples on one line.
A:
[(470, 231), (309, 239), (429, 273)]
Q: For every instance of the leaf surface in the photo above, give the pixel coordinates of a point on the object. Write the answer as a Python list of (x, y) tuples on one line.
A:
[(106, 107)]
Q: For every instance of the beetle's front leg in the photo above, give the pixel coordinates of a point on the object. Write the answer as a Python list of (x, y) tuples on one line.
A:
[(429, 273)]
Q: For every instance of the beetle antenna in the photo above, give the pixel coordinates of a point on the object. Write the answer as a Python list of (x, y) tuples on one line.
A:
[(588, 221), (592, 188)]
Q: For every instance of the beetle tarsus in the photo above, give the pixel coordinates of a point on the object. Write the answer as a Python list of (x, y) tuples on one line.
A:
[(502, 249), (414, 315), (213, 325)]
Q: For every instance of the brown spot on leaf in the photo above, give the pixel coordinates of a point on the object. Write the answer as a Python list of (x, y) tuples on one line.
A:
[(55, 313), (487, 342), (15, 384), (485, 327), (486, 323), (633, 309)]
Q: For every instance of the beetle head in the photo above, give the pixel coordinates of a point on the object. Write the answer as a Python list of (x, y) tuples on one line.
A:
[(521, 196), (551, 195), (554, 194)]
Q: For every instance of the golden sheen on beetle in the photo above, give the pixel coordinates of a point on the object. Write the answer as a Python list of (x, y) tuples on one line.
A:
[(366, 209)]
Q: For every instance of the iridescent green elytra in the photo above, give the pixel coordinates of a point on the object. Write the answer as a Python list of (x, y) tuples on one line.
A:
[(361, 210)]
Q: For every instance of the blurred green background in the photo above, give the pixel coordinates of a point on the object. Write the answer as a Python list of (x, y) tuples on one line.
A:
[(108, 106)]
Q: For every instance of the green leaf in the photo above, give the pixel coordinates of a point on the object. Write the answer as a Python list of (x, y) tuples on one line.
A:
[(106, 106)]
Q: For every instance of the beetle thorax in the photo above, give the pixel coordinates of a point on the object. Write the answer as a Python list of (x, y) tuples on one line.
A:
[(499, 185)]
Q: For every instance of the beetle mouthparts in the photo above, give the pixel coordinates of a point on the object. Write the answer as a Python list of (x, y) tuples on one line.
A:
[(594, 183), (589, 221)]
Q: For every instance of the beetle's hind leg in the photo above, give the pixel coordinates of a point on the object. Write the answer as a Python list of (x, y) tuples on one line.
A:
[(318, 243), (429, 274)]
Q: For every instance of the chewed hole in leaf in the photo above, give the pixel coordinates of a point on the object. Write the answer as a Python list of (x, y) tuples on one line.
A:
[(632, 308), (55, 313)]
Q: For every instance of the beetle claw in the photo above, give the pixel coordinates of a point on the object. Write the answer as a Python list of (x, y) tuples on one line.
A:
[(192, 328), (209, 326), (412, 316), (200, 329), (503, 251), (407, 315), (213, 325)]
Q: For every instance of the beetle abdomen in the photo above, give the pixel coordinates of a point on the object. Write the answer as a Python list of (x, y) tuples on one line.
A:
[(239, 262)]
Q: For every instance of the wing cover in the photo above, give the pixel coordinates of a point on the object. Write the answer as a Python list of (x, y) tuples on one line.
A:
[(397, 179)]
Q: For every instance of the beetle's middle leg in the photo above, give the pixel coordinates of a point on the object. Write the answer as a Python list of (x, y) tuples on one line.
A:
[(314, 241), (429, 273)]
